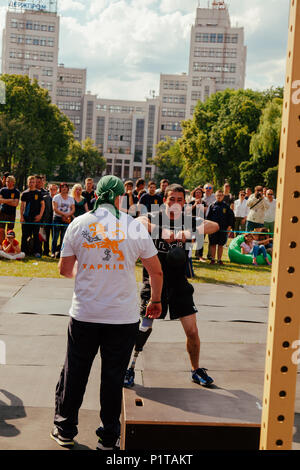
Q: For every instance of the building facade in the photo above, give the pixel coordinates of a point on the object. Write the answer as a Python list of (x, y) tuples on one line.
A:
[(126, 132)]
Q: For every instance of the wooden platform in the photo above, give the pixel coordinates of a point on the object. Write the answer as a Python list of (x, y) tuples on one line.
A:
[(189, 418)]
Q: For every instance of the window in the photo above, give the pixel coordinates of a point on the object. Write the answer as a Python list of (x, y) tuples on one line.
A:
[(220, 38), (29, 25)]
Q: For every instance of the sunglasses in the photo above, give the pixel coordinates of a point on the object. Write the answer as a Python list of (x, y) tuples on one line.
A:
[(208, 187)]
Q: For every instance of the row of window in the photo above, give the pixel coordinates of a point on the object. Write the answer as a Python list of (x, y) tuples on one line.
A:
[(70, 78), (206, 67), (69, 105), (173, 112), (172, 137), (171, 126), (31, 55), (31, 40), (200, 52), (46, 72), (69, 92), (75, 119), (174, 99), (120, 124), (174, 85), (119, 109), (217, 38), (36, 25)]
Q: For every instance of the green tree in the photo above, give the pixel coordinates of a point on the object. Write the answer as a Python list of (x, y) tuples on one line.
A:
[(84, 160), (34, 134), (217, 139), (264, 148), (168, 161)]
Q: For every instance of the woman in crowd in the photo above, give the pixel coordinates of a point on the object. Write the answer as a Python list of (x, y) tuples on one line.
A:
[(63, 210), (81, 206)]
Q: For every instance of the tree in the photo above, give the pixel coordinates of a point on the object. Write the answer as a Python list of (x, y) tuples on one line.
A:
[(84, 160), (217, 140), (168, 161), (264, 148), (34, 134)]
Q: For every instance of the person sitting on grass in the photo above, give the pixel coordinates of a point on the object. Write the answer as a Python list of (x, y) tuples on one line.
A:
[(10, 248), (251, 246)]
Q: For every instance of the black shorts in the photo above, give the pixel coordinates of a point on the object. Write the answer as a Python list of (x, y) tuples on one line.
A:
[(7, 219), (218, 238), (178, 299)]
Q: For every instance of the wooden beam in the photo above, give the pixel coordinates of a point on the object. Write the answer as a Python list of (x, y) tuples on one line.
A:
[(284, 319)]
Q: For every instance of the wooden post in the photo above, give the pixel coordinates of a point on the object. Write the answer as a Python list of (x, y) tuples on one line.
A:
[(282, 352)]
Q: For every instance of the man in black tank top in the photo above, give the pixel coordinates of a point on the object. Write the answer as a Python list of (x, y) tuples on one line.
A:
[(172, 231)]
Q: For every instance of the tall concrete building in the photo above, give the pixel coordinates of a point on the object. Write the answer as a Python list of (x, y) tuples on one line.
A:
[(30, 46), (217, 61)]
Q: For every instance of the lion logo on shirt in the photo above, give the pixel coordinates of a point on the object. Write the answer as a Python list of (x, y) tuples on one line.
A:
[(98, 238)]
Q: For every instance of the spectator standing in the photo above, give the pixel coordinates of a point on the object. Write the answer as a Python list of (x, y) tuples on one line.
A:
[(228, 198), (129, 200), (139, 186), (40, 182), (258, 205), (81, 206), (209, 197), (31, 213), (151, 201), (198, 210), (9, 200), (220, 213), (104, 311), (162, 187), (89, 192), (63, 210), (248, 192), (10, 248), (48, 216), (241, 211), (270, 213)]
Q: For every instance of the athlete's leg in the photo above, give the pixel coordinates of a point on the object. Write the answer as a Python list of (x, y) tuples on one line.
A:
[(193, 341)]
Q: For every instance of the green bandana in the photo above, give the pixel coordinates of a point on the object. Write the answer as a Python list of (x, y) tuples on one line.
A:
[(108, 188)]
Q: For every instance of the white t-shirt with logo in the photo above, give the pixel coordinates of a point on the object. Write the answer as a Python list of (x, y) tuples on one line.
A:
[(106, 250), (63, 205)]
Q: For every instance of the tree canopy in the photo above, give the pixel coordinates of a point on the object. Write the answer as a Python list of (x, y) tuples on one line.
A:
[(34, 134)]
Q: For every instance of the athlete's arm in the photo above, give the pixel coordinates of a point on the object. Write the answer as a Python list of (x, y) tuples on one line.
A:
[(67, 266), (153, 266)]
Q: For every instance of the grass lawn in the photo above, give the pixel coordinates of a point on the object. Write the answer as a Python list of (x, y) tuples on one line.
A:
[(230, 273)]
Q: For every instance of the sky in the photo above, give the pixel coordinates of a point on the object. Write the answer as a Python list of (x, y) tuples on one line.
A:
[(126, 44)]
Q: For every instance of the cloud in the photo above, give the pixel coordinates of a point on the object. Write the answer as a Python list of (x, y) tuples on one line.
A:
[(66, 5)]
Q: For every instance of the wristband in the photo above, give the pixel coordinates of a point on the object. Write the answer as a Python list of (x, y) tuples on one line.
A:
[(152, 302)]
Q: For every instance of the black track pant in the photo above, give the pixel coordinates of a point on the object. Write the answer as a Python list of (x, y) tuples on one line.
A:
[(84, 339)]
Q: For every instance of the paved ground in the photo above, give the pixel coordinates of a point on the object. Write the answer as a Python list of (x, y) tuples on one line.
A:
[(33, 323)]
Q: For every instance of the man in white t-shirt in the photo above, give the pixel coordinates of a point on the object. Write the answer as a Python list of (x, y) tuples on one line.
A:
[(100, 249), (270, 213)]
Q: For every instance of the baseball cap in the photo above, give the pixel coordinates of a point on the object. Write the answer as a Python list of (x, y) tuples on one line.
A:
[(10, 233)]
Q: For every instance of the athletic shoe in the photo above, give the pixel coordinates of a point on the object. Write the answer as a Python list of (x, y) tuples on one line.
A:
[(129, 378), (37, 255), (212, 261), (106, 444), (220, 262), (199, 376), (62, 441)]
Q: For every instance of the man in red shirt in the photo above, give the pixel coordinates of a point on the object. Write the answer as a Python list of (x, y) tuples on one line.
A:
[(10, 248)]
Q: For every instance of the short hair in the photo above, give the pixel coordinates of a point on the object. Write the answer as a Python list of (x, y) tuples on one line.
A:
[(11, 178), (38, 177), (219, 191), (258, 188), (30, 178), (177, 188), (140, 181), (151, 182), (61, 185), (197, 189), (128, 182), (88, 179), (6, 174), (164, 181)]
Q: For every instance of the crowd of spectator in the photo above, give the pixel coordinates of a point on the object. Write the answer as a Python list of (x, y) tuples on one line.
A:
[(47, 209)]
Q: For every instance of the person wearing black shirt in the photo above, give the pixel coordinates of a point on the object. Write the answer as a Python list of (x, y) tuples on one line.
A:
[(139, 186), (31, 212), (172, 234), (129, 200), (150, 199), (9, 200), (162, 187), (221, 213), (48, 216), (89, 193)]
